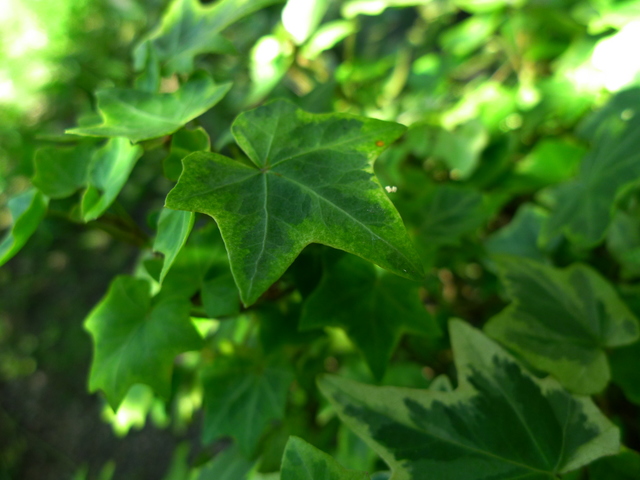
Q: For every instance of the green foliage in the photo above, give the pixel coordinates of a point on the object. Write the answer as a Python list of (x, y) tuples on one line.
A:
[(317, 188), (500, 422), (287, 203)]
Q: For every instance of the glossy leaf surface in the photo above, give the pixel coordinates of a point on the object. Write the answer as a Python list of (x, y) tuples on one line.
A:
[(302, 461), (311, 181), (562, 320), (109, 170), (500, 423), (241, 400), (135, 340), (374, 307), (189, 28), (27, 209), (140, 115)]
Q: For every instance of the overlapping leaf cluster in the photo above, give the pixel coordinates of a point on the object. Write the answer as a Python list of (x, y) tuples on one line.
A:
[(311, 304)]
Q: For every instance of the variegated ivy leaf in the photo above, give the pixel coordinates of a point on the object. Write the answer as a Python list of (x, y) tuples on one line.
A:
[(561, 321), (310, 180), (500, 423), (141, 115), (189, 28)]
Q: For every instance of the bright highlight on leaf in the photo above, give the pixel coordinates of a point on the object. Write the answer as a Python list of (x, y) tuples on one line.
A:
[(374, 307), (311, 181), (140, 115), (302, 461), (136, 339), (501, 422), (561, 321)]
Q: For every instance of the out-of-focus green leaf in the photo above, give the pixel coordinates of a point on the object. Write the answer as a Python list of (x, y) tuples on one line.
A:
[(461, 148), (302, 461), (137, 340), (184, 142), (562, 320), (520, 237), (271, 57), (374, 307), (327, 36), (109, 170), (447, 212), (500, 422), (60, 172), (220, 295), (174, 228), (551, 161), (311, 181), (623, 242), (189, 28), (301, 18), (140, 115), (623, 466), (149, 79), (353, 8), (229, 464), (584, 206), (625, 372), (27, 209), (465, 37), (241, 399)]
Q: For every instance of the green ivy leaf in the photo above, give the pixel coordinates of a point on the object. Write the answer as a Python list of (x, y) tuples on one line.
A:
[(624, 466), (59, 172), (500, 422), (110, 168), (174, 228), (374, 307), (520, 236), (136, 340), (625, 372), (189, 28), (220, 295), (229, 464), (302, 461), (27, 210), (183, 143), (241, 399), (311, 181), (140, 115), (583, 207), (562, 320)]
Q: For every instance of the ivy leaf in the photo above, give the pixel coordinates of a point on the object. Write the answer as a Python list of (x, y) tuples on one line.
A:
[(625, 372), (140, 115), (59, 172), (220, 295), (135, 340), (624, 466), (229, 464), (583, 207), (174, 228), (27, 210), (241, 399), (302, 461), (189, 28), (311, 181), (183, 142), (562, 320), (500, 423), (110, 168), (374, 308)]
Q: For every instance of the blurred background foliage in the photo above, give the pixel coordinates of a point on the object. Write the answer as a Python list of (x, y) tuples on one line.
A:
[(493, 93)]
